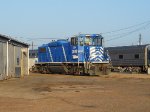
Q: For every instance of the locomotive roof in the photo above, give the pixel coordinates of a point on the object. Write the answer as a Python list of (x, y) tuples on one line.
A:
[(92, 35), (56, 43)]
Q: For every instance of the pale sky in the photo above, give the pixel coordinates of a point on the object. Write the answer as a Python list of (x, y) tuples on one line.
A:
[(29, 20)]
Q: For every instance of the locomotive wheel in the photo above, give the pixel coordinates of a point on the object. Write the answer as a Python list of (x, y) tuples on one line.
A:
[(106, 70), (92, 70), (99, 69), (44, 70)]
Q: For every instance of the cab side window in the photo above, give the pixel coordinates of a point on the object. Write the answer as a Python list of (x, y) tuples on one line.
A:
[(74, 41)]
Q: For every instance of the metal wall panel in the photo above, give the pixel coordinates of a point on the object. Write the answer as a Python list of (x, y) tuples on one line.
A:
[(1, 62), (24, 61), (5, 58), (17, 61), (11, 65)]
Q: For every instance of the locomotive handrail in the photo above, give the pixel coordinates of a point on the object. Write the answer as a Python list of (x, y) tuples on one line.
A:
[(50, 54)]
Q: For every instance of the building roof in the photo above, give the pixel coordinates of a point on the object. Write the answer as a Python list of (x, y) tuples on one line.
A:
[(127, 47), (8, 38)]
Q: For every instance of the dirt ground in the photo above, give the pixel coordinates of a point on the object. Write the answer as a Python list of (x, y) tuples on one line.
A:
[(64, 93)]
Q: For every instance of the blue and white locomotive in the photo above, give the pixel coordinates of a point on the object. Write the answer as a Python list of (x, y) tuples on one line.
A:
[(82, 54)]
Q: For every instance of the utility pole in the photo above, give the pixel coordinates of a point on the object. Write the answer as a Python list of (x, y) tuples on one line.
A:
[(140, 39), (32, 45)]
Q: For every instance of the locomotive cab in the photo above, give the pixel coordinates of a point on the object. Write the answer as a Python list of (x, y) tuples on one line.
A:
[(88, 49)]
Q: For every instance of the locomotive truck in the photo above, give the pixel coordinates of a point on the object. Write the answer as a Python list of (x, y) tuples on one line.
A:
[(80, 55)]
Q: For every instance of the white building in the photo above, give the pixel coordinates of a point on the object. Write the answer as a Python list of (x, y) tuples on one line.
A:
[(14, 58)]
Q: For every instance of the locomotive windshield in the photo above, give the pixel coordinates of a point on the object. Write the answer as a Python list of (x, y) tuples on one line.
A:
[(93, 41), (87, 40)]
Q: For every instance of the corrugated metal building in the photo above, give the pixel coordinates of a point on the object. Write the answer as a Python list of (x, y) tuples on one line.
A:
[(14, 58)]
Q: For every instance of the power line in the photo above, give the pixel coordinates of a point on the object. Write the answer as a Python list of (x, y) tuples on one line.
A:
[(115, 35), (147, 22), (131, 32)]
